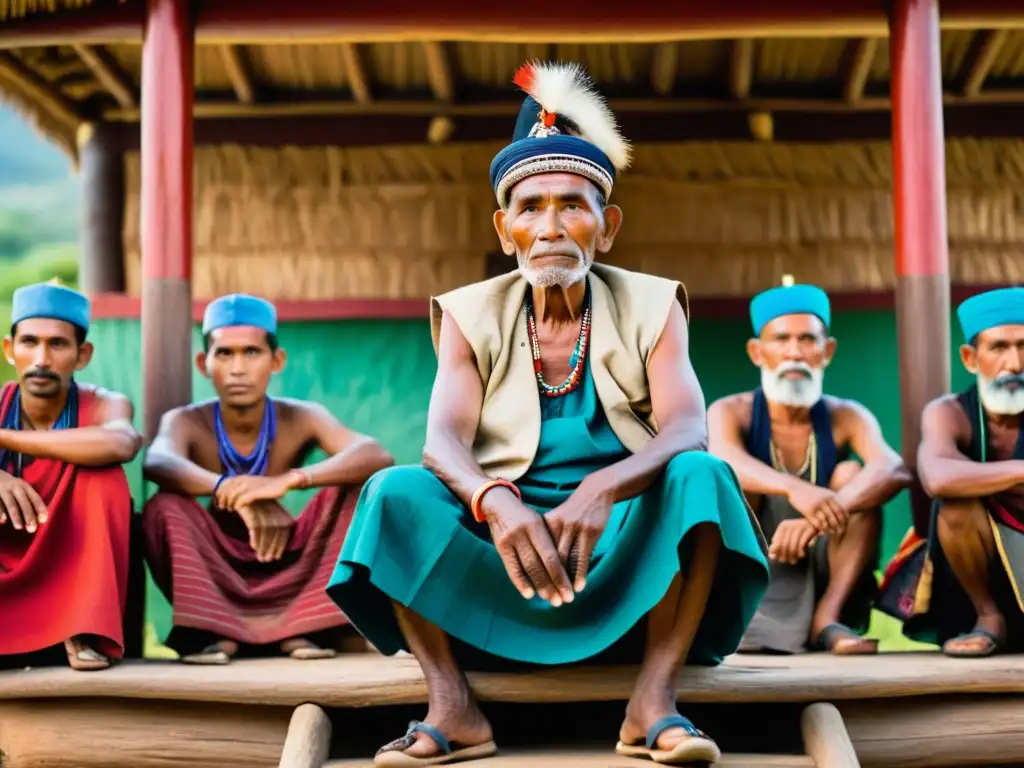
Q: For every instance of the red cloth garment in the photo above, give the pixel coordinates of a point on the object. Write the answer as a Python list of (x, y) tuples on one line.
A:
[(70, 577), (202, 561), (1004, 516)]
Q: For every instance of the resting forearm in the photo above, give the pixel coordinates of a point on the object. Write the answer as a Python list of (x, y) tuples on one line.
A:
[(454, 465), (353, 466), (873, 486), (85, 446), (179, 475), (958, 479), (755, 476), (634, 474)]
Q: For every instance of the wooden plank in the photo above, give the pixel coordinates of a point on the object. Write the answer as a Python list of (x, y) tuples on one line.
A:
[(935, 732), (825, 737), (857, 67), (309, 738), (355, 67), (237, 68), (604, 759), (368, 680), (117, 734), (741, 69), (665, 68), (439, 71)]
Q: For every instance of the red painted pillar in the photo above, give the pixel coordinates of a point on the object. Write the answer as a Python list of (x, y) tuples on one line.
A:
[(919, 195), (166, 208)]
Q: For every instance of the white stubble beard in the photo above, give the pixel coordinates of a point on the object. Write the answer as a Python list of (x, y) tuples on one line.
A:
[(796, 393), (552, 277), (998, 400)]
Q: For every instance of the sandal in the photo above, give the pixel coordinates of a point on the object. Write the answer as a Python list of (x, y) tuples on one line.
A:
[(82, 658), (394, 753), (994, 644), (211, 655), (303, 650), (698, 748), (830, 635)]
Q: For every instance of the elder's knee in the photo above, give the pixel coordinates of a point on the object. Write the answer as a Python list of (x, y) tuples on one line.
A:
[(844, 472)]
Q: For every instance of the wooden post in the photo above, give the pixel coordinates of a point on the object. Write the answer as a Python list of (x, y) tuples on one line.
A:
[(309, 738), (826, 739), (101, 254), (166, 205), (919, 195)]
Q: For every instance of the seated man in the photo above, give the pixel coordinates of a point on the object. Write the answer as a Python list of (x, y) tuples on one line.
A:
[(65, 507), (246, 571), (962, 586), (819, 509), (566, 498)]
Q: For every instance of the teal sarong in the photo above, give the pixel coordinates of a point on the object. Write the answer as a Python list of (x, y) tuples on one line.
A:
[(412, 541)]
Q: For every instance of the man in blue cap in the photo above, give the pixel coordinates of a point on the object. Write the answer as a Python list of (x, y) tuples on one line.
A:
[(65, 506), (244, 571), (962, 587), (793, 447), (566, 510)]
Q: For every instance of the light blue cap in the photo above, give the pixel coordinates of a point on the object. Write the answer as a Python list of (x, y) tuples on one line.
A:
[(240, 309)]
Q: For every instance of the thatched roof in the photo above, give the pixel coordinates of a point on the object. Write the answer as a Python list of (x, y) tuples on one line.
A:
[(17, 9), (60, 85)]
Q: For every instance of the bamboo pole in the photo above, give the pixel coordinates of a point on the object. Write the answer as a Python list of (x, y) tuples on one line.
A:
[(308, 742), (825, 737)]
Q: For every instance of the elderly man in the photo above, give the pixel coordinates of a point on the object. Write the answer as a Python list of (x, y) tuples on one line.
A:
[(65, 507), (962, 586), (567, 509), (245, 571), (820, 510)]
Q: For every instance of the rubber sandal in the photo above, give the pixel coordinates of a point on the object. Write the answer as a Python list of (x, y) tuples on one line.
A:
[(394, 753), (85, 659), (698, 748), (211, 655), (994, 644), (305, 650), (827, 638)]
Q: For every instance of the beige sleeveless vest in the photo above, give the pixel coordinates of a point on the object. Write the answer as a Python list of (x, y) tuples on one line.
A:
[(628, 316)]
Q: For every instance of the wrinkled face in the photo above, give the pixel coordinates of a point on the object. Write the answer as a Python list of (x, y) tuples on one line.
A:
[(792, 353), (554, 225), (997, 360), (240, 362), (46, 354)]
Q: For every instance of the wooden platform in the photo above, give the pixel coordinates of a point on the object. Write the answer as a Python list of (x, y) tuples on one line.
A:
[(909, 710), (369, 680)]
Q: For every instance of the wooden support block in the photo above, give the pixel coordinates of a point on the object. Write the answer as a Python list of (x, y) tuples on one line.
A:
[(125, 733), (825, 737), (308, 742), (930, 732), (607, 758)]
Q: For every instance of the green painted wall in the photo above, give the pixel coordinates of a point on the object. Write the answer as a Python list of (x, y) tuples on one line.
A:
[(376, 375)]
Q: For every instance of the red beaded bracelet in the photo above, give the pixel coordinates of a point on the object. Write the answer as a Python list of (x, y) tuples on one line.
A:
[(478, 497)]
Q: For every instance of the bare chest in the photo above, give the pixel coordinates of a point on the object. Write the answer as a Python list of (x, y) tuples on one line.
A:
[(1002, 442), (287, 451), (555, 352), (792, 443)]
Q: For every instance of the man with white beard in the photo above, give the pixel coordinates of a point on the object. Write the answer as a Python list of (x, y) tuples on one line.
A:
[(793, 449), (971, 462), (566, 509)]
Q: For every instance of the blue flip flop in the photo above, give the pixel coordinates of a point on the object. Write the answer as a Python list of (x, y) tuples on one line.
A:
[(994, 644), (448, 752), (698, 748)]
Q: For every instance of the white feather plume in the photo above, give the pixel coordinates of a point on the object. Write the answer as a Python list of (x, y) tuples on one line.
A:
[(566, 90)]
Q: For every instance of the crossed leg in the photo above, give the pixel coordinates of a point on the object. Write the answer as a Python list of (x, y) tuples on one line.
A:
[(849, 554), (671, 627), (968, 543)]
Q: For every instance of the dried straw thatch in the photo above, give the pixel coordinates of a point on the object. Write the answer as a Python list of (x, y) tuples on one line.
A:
[(16, 9), (728, 219)]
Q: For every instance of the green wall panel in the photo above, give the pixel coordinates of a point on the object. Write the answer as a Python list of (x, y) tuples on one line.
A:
[(376, 376)]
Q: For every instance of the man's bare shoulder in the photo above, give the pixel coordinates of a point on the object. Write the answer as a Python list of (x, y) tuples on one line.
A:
[(292, 409), (103, 394), (947, 408), (739, 406), (193, 415), (847, 409)]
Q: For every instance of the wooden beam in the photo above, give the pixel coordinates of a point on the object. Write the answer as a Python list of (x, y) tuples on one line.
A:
[(741, 68), (233, 58), (665, 68), (101, 234), (857, 67), (109, 72), (42, 92), (825, 737), (963, 120), (982, 55), (355, 68), (439, 72), (308, 742)]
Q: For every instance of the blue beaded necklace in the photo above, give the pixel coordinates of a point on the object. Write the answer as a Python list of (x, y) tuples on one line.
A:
[(256, 462), (68, 419)]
